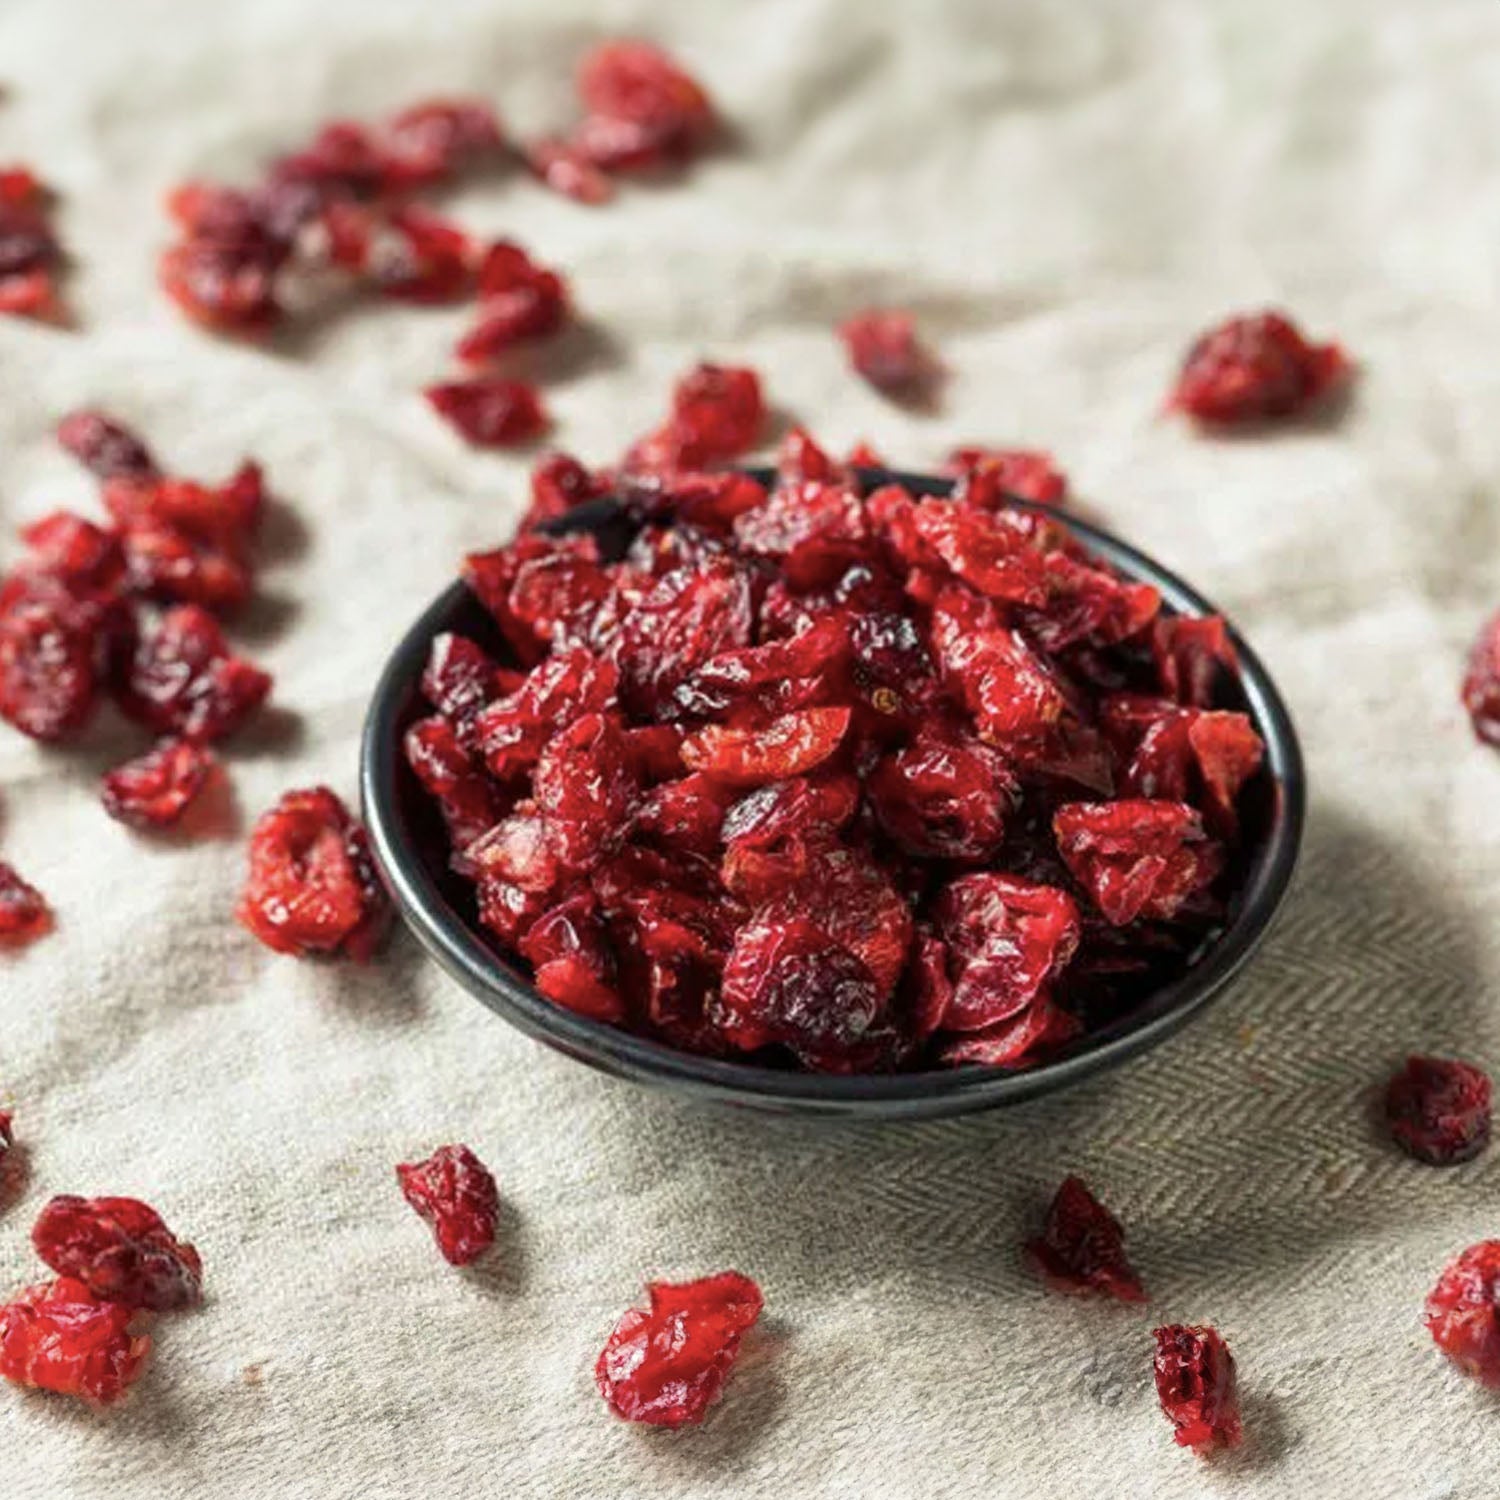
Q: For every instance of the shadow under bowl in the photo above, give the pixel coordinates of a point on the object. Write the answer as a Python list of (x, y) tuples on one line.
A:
[(408, 842)]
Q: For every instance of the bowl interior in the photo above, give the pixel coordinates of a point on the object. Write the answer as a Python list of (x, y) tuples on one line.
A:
[(408, 841)]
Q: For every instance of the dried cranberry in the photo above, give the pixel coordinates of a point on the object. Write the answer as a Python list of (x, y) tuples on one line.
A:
[(522, 301), (883, 347), (560, 484), (106, 447), (427, 143), (511, 732), (228, 288), (49, 665), (789, 746), (988, 476), (1193, 657), (1014, 1043), (84, 558), (155, 789), (469, 801), (1195, 1383), (59, 1337), (121, 1250), (718, 412), (944, 798), (569, 950), (24, 913), (455, 1193), (29, 251), (1081, 1248), (1438, 1109), (460, 678), (421, 257), (1463, 1311), (566, 170), (666, 1365), (1256, 368), (642, 107), (490, 412), (312, 887)]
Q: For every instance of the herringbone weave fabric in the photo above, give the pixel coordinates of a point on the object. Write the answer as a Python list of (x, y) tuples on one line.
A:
[(1063, 195)]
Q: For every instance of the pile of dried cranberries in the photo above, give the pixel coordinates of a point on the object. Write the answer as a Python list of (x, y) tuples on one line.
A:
[(832, 775)]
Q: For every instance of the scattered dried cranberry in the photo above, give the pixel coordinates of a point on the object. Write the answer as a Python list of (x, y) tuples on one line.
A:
[(521, 302), (718, 412), (1195, 1383), (490, 412), (642, 108), (155, 789), (1256, 368), (666, 1365), (24, 913), (1481, 689), (883, 347), (59, 1337), (121, 1250), (312, 887), (29, 252), (987, 475), (1463, 1311), (455, 1193), (105, 447), (1438, 1109), (566, 170), (420, 257), (1081, 1248)]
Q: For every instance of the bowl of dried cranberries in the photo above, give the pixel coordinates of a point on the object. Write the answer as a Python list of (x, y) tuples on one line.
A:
[(830, 790)]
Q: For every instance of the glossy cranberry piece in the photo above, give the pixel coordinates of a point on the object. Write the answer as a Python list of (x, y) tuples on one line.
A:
[(883, 348), (419, 256), (24, 913), (718, 412), (643, 108), (1081, 1248), (84, 558), (106, 447), (789, 746), (1256, 368), (569, 949), (427, 143), (490, 411), (49, 664), (987, 476), (522, 302), (666, 1365), (59, 1337), (469, 801), (560, 484), (155, 789), (121, 1250), (1195, 1383), (1463, 1311), (312, 887), (455, 1193), (1438, 1110), (1193, 658)]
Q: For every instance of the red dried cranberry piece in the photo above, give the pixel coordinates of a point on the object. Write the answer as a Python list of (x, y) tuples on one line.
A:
[(568, 948), (164, 562), (1137, 858), (58, 1337), (181, 679), (1438, 1110), (226, 287), (566, 170), (1481, 688), (791, 745), (155, 789), (1014, 1043), (987, 477), (1463, 1311), (667, 1365), (1184, 754), (649, 109), (1007, 939), (1193, 656), (49, 663), (795, 672), (1256, 368), (29, 251), (427, 143), (944, 798), (120, 1249), (1195, 1383), (817, 530), (460, 678), (993, 554), (511, 732), (223, 517), (106, 447), (883, 348), (522, 301), (560, 484), (24, 913), (455, 1193), (312, 887), (84, 558), (490, 412), (469, 801), (718, 412), (1081, 1248), (686, 814), (421, 257), (585, 788)]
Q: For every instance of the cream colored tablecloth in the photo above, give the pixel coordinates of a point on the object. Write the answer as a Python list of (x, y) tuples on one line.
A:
[(1063, 195)]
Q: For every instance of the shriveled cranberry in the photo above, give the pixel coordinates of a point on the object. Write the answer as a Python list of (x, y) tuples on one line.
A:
[(455, 1193), (883, 347), (560, 484), (1463, 1311), (155, 789), (584, 786), (1438, 1110), (1081, 1248), (421, 257), (227, 288), (427, 143), (789, 746), (1137, 858), (469, 801), (1193, 657), (568, 947), (642, 107), (1256, 368), (991, 553), (522, 301), (511, 732), (944, 798), (59, 1337), (490, 411), (1195, 1383), (1014, 1043), (24, 913), (566, 170), (718, 412), (29, 251), (106, 447), (84, 558), (460, 678), (121, 1250), (666, 1365), (987, 476), (312, 887), (49, 665), (1481, 686)]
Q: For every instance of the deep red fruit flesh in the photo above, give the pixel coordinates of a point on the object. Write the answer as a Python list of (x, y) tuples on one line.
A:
[(1081, 1248), (1195, 1383), (121, 1250), (24, 913), (455, 1194), (1438, 1110), (59, 1337), (883, 347), (1463, 1311), (665, 1365), (155, 789), (490, 411)]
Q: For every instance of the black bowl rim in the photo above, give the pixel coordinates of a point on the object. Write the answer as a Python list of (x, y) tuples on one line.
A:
[(445, 934)]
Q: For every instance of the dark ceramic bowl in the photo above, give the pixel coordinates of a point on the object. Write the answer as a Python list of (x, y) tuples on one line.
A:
[(439, 908)]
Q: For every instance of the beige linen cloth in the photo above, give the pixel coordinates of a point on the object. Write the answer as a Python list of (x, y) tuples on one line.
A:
[(1063, 195)]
